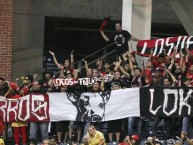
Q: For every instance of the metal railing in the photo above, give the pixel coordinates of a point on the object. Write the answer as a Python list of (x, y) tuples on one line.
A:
[(105, 53)]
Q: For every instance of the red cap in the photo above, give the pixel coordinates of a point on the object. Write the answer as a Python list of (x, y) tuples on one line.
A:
[(135, 137)]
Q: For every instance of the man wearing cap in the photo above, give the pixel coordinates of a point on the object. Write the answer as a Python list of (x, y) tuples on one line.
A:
[(135, 139), (151, 140)]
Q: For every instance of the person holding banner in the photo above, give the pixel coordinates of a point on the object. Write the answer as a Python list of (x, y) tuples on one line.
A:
[(36, 89), (115, 125), (20, 127), (120, 38)]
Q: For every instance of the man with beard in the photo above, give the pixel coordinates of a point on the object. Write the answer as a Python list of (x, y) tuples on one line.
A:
[(157, 79)]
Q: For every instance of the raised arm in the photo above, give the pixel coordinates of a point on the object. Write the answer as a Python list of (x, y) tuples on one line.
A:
[(134, 38), (117, 64), (55, 60), (124, 72), (182, 62), (174, 52), (72, 59), (100, 66), (124, 55), (86, 64), (173, 78), (76, 71), (102, 86), (104, 36), (131, 65), (150, 55), (171, 64)]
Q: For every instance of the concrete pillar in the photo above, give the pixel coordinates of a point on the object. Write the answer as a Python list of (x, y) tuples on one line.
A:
[(140, 20), (127, 15), (184, 12)]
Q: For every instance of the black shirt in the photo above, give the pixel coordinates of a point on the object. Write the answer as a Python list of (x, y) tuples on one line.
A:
[(4, 89), (121, 39)]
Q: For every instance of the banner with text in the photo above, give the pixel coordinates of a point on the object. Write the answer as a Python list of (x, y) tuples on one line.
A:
[(27, 108), (86, 106), (102, 106), (144, 47), (166, 102)]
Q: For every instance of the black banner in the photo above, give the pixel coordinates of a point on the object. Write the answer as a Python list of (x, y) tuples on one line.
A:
[(166, 102)]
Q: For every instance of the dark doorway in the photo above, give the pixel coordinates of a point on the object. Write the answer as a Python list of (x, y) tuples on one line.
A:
[(64, 34)]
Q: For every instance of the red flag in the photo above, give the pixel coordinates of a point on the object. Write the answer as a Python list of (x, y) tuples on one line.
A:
[(106, 19)]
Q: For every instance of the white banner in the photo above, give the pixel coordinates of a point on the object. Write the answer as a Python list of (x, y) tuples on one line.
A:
[(88, 106)]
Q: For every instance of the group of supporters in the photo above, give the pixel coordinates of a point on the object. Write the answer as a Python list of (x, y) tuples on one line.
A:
[(124, 72)]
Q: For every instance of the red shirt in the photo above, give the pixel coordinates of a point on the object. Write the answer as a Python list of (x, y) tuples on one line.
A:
[(124, 143), (190, 61), (25, 90), (156, 63), (1, 128)]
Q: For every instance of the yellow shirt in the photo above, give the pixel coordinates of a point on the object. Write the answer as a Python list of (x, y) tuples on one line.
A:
[(96, 139), (1, 141)]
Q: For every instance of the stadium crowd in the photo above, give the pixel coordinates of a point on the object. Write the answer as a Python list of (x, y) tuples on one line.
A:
[(124, 72)]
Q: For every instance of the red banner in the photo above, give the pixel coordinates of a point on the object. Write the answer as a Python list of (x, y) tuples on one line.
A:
[(28, 108), (145, 46)]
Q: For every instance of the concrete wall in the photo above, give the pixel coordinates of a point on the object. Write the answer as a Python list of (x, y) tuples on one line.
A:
[(28, 45), (162, 12), (29, 15)]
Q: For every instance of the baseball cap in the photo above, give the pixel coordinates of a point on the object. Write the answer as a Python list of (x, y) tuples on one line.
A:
[(152, 133), (115, 83), (135, 137)]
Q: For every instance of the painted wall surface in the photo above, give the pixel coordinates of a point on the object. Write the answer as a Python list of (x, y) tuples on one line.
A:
[(29, 16)]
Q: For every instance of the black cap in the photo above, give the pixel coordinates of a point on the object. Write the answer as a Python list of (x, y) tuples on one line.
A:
[(115, 83), (152, 133)]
